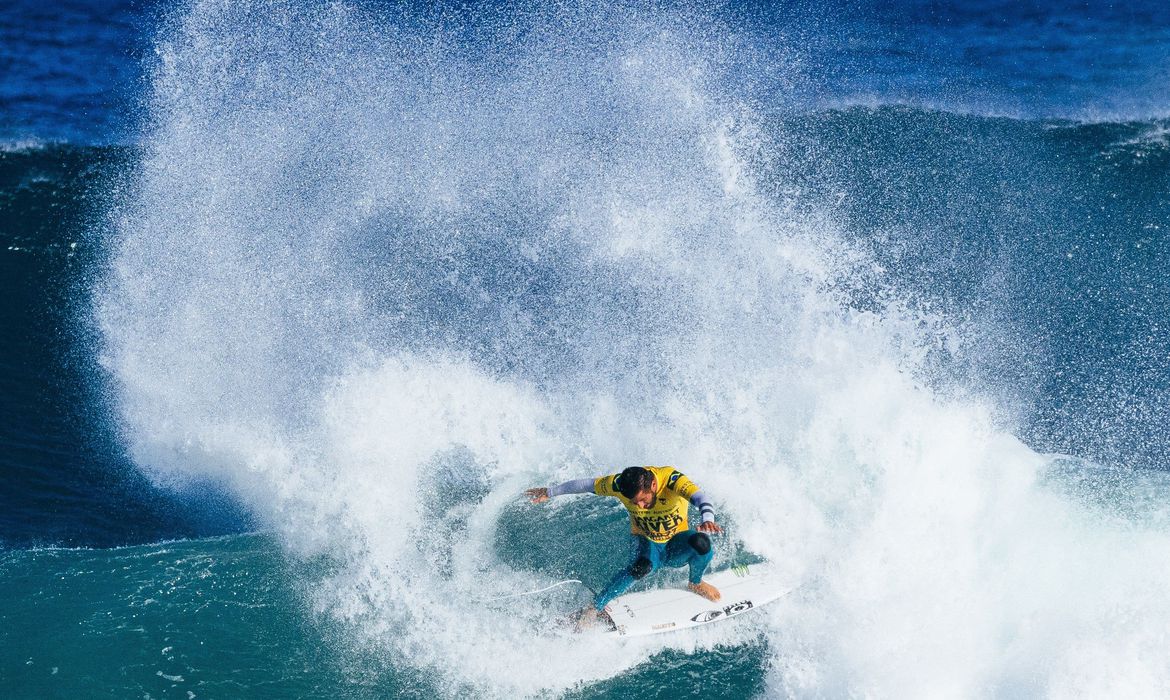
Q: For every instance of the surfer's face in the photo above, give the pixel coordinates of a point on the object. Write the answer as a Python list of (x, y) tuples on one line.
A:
[(646, 499)]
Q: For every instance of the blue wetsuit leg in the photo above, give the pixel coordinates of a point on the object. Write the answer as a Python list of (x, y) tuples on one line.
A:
[(647, 558), (681, 549)]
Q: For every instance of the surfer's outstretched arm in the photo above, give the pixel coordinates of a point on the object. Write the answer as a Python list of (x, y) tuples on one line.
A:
[(540, 495), (707, 511)]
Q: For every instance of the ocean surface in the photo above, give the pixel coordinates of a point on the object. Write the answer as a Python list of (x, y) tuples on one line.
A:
[(298, 298)]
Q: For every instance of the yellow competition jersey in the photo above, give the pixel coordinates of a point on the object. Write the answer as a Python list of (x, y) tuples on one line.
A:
[(668, 517)]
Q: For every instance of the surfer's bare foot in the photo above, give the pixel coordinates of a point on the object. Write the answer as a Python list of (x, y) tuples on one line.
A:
[(586, 619), (705, 589)]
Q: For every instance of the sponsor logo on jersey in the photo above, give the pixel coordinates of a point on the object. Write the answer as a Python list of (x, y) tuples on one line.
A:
[(658, 524)]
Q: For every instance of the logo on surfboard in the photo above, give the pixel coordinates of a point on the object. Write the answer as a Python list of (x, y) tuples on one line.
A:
[(730, 610)]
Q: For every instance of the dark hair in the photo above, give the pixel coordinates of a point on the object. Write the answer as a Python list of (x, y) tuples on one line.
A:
[(634, 480)]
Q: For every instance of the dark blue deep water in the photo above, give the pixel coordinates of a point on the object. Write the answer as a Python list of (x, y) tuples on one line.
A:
[(297, 298)]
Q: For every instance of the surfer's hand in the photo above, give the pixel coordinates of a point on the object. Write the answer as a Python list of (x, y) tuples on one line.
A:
[(539, 495), (710, 527)]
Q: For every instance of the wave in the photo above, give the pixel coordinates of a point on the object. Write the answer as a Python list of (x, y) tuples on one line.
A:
[(1043, 60), (375, 281), (67, 479)]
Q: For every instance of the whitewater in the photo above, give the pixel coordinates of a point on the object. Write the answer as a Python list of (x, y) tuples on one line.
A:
[(373, 274)]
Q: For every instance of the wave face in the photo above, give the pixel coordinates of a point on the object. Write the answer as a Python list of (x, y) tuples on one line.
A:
[(67, 480), (372, 273), (1041, 243)]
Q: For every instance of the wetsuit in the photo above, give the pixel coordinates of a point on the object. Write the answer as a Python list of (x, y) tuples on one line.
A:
[(661, 534)]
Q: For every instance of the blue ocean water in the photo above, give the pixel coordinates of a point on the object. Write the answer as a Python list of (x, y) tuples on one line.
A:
[(299, 297)]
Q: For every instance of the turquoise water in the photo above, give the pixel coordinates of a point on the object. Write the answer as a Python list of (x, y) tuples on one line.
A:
[(230, 616), (158, 620)]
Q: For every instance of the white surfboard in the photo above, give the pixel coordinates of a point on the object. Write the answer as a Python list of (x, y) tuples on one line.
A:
[(743, 588)]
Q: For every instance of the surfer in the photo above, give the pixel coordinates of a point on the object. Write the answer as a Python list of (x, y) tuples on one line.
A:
[(658, 499)]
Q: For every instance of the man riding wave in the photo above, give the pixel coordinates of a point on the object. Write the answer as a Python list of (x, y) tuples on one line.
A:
[(658, 499)]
